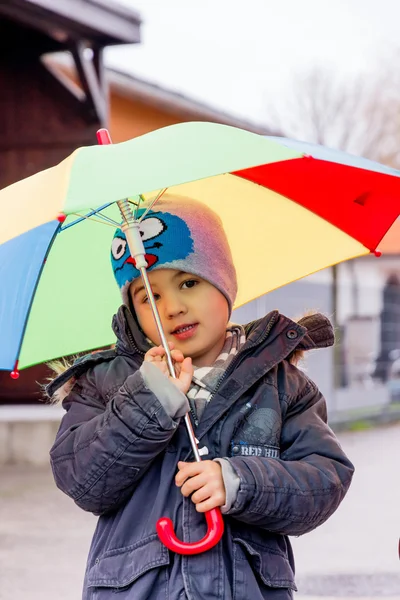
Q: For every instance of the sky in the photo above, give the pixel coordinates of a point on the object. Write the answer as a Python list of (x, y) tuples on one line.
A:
[(243, 56)]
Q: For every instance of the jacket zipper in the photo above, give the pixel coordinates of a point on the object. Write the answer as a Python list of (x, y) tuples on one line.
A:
[(238, 358), (242, 354), (132, 341)]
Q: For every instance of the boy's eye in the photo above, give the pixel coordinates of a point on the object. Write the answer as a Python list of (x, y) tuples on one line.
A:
[(145, 299), (189, 283)]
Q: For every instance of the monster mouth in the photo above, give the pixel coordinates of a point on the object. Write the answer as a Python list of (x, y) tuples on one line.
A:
[(151, 260)]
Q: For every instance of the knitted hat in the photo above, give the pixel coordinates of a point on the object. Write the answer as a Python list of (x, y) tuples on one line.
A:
[(183, 234)]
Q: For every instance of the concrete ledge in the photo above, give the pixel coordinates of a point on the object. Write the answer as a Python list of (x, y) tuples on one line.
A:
[(27, 434), (29, 413)]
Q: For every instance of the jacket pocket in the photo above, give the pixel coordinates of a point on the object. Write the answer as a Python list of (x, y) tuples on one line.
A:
[(120, 568), (262, 568)]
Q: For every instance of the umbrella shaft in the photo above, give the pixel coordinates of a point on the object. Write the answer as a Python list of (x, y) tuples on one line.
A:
[(150, 296)]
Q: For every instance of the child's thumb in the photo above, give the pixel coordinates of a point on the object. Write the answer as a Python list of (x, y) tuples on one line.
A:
[(187, 365), (186, 373)]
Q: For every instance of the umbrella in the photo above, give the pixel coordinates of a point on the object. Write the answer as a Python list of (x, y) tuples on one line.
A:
[(288, 209)]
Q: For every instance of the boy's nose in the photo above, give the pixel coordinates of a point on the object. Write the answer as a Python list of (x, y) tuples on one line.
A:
[(174, 307)]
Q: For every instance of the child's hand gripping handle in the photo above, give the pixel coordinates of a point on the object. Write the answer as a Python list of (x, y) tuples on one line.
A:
[(215, 523), (165, 528)]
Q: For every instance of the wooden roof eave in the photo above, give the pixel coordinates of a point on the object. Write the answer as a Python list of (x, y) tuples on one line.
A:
[(98, 21)]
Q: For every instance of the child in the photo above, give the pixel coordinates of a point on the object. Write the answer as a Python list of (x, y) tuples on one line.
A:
[(270, 461)]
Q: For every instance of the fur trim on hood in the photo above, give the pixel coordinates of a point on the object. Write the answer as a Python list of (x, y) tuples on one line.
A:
[(63, 391), (59, 367), (320, 334)]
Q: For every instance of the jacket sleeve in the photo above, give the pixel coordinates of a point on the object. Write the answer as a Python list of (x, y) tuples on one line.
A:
[(299, 491), (103, 448)]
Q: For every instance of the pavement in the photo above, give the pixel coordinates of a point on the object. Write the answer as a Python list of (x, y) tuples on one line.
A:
[(355, 553), (44, 537)]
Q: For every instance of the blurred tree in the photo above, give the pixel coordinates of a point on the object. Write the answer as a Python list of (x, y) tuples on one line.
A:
[(358, 115)]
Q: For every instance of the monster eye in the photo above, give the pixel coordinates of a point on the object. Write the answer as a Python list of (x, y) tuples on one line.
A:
[(118, 248), (150, 228)]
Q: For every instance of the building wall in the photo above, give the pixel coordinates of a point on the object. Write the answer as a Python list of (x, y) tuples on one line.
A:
[(130, 118)]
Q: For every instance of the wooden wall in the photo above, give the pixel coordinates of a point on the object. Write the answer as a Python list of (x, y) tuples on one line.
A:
[(40, 124)]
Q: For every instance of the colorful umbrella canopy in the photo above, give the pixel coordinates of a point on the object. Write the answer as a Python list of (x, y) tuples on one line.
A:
[(289, 209)]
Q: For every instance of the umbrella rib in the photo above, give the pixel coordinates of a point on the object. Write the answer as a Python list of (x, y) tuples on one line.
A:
[(152, 203), (106, 219), (103, 220), (82, 217), (136, 205)]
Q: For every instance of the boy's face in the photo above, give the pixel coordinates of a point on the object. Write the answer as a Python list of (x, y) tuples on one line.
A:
[(194, 314)]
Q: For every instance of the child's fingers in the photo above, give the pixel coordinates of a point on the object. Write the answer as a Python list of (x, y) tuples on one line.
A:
[(187, 470), (204, 480), (158, 353), (209, 504), (202, 494), (209, 497), (154, 354), (177, 369), (186, 372), (193, 484), (177, 356), (190, 469), (183, 375)]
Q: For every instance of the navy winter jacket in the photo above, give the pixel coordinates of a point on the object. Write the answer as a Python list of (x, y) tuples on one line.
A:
[(117, 450)]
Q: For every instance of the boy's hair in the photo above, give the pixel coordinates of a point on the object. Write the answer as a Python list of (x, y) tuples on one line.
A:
[(183, 234)]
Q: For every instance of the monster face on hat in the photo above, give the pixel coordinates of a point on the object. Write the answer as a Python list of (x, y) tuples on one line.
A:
[(181, 234)]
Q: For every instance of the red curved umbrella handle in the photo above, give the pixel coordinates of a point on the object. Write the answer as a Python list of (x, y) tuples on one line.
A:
[(215, 523)]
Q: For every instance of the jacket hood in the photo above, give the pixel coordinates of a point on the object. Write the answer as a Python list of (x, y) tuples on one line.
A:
[(130, 337), (313, 331)]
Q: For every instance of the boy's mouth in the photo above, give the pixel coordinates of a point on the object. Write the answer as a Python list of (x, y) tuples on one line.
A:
[(182, 332)]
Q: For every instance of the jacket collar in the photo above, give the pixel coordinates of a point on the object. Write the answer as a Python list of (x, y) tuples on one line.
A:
[(270, 340), (314, 330)]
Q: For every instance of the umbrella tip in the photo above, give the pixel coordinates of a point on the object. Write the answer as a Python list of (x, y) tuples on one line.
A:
[(61, 217), (15, 373), (103, 137), (377, 253)]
